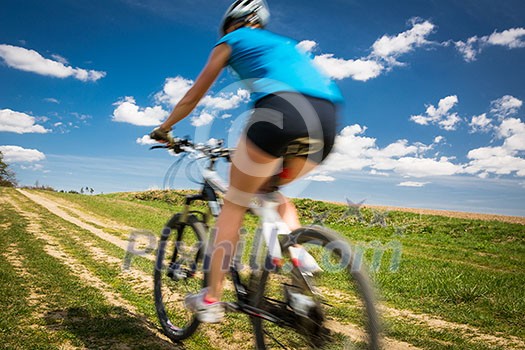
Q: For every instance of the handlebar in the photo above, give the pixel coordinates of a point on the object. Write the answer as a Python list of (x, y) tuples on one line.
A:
[(206, 151)]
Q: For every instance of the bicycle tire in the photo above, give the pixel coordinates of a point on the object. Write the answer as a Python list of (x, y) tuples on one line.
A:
[(179, 274), (314, 334)]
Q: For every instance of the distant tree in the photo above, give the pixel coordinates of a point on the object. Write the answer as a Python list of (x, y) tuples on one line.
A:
[(7, 176)]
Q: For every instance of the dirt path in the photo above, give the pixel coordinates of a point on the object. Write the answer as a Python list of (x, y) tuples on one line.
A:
[(80, 213), (58, 210), (54, 249), (352, 332), (466, 331)]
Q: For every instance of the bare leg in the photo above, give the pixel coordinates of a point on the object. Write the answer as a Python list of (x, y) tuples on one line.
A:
[(296, 168), (251, 168), (289, 214)]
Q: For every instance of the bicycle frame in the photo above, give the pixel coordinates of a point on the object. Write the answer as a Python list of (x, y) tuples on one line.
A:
[(271, 226)]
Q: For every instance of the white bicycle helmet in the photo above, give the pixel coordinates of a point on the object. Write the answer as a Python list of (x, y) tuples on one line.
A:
[(240, 10)]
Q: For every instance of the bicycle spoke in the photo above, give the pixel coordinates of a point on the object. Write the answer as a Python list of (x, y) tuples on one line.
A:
[(275, 340)]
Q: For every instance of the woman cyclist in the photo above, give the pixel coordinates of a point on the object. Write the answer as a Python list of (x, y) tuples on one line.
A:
[(295, 111)]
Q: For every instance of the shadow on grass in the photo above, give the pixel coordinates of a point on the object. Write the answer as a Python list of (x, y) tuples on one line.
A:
[(116, 328)]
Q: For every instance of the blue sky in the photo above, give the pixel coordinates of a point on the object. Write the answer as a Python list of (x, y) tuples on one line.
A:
[(433, 118)]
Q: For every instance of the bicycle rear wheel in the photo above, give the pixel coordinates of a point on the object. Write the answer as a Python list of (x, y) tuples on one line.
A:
[(178, 272), (331, 309)]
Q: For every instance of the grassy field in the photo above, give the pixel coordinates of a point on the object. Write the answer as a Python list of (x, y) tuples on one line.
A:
[(444, 283)]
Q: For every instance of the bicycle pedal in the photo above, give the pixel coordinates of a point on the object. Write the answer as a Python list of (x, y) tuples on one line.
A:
[(301, 304)]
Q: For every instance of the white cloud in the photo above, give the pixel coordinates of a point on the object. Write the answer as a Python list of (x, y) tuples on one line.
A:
[(321, 178), (19, 123), (399, 148), (512, 130), (379, 173), (52, 100), (504, 159), (33, 167), (17, 154), (225, 100), (384, 53), (412, 184), (350, 150), (146, 140), (203, 119), (31, 61), (213, 142), (127, 111), (354, 151), (485, 152), (480, 123), (468, 49), (338, 68), (425, 167), (505, 106), (441, 115), (174, 90), (307, 45), (512, 39), (438, 139), (494, 160), (60, 59), (450, 122), (444, 106), (421, 119), (390, 48)]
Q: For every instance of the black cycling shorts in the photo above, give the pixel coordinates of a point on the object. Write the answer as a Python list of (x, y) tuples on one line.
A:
[(292, 124)]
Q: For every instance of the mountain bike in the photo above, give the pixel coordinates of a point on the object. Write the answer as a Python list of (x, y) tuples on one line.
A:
[(289, 305)]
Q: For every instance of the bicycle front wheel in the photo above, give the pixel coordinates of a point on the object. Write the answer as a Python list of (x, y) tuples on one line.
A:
[(178, 272), (330, 309)]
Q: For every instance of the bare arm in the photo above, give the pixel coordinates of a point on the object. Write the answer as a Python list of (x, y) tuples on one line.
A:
[(218, 60)]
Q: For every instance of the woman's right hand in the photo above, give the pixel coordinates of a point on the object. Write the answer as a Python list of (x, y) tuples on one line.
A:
[(161, 135)]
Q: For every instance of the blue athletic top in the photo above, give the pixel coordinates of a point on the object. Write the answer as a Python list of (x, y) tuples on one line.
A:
[(271, 63)]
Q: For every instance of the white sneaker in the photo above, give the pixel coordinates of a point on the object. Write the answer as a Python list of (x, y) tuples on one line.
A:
[(303, 260), (205, 311)]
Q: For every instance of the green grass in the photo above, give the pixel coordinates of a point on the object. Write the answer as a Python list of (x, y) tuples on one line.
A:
[(464, 271)]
